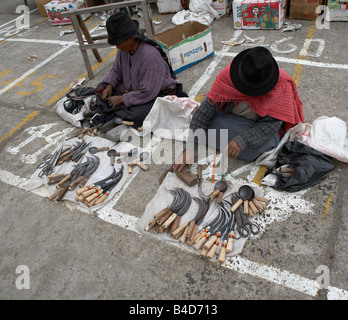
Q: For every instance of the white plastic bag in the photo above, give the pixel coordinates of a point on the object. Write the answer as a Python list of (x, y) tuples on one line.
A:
[(329, 135), (325, 134), (203, 6), (169, 118), (200, 11), (74, 119)]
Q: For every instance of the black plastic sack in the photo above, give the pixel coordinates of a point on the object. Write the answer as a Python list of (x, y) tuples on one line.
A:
[(311, 166)]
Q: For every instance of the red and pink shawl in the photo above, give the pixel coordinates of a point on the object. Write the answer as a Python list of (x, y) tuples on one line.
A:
[(282, 102)]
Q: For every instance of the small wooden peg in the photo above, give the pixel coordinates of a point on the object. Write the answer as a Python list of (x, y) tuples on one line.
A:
[(213, 249), (200, 243), (161, 220), (219, 198), (236, 205), (229, 246), (178, 232), (211, 241), (183, 237), (222, 255), (80, 191)]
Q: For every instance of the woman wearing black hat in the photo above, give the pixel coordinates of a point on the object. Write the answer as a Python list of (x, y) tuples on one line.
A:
[(140, 73), (251, 103)]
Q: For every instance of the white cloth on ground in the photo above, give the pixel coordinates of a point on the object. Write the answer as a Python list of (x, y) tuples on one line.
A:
[(169, 118), (163, 198), (103, 171)]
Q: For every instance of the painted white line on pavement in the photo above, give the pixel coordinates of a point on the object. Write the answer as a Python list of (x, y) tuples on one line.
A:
[(44, 41), (14, 20), (224, 53), (295, 61), (237, 263), (28, 73)]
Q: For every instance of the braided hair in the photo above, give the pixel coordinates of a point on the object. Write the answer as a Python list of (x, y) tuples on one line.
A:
[(140, 37)]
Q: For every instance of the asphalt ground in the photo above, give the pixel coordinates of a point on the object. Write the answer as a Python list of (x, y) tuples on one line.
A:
[(71, 253)]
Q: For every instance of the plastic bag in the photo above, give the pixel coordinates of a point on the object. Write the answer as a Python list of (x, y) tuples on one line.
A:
[(310, 167), (299, 133), (200, 11), (84, 107), (169, 118), (329, 135)]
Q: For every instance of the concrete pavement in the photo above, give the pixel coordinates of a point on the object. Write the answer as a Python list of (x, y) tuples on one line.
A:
[(74, 254)]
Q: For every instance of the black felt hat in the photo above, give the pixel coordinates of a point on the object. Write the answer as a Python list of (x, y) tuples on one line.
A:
[(120, 28), (254, 72)]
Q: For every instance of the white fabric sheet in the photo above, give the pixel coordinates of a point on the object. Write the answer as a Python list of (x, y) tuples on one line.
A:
[(163, 198), (103, 171)]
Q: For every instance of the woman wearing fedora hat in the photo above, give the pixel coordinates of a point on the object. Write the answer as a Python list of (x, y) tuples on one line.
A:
[(254, 99), (141, 72)]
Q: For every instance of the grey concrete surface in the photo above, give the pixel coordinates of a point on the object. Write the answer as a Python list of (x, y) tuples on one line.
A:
[(73, 254)]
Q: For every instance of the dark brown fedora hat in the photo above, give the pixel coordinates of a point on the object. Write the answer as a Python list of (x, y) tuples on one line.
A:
[(254, 72), (120, 28)]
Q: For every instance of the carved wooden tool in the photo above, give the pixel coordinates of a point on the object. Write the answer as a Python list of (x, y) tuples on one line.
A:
[(112, 153)]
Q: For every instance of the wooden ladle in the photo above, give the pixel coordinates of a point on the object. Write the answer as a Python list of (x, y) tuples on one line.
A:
[(129, 153), (94, 150), (112, 153), (121, 121), (220, 186), (245, 193)]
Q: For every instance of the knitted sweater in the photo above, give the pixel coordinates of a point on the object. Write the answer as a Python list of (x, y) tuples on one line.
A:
[(144, 74), (264, 129)]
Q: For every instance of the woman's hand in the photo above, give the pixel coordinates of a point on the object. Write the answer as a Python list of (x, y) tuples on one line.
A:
[(107, 92), (233, 149), (186, 158), (115, 101)]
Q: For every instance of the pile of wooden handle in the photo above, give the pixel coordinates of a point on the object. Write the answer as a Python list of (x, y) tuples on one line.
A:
[(92, 131), (163, 221), (91, 195), (251, 207), (187, 232), (62, 179), (211, 243), (56, 178)]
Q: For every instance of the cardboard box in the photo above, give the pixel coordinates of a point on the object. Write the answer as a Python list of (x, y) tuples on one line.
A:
[(258, 14), (337, 4), (40, 5), (167, 6), (220, 6), (54, 9), (304, 9), (338, 15), (186, 44), (338, 10)]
